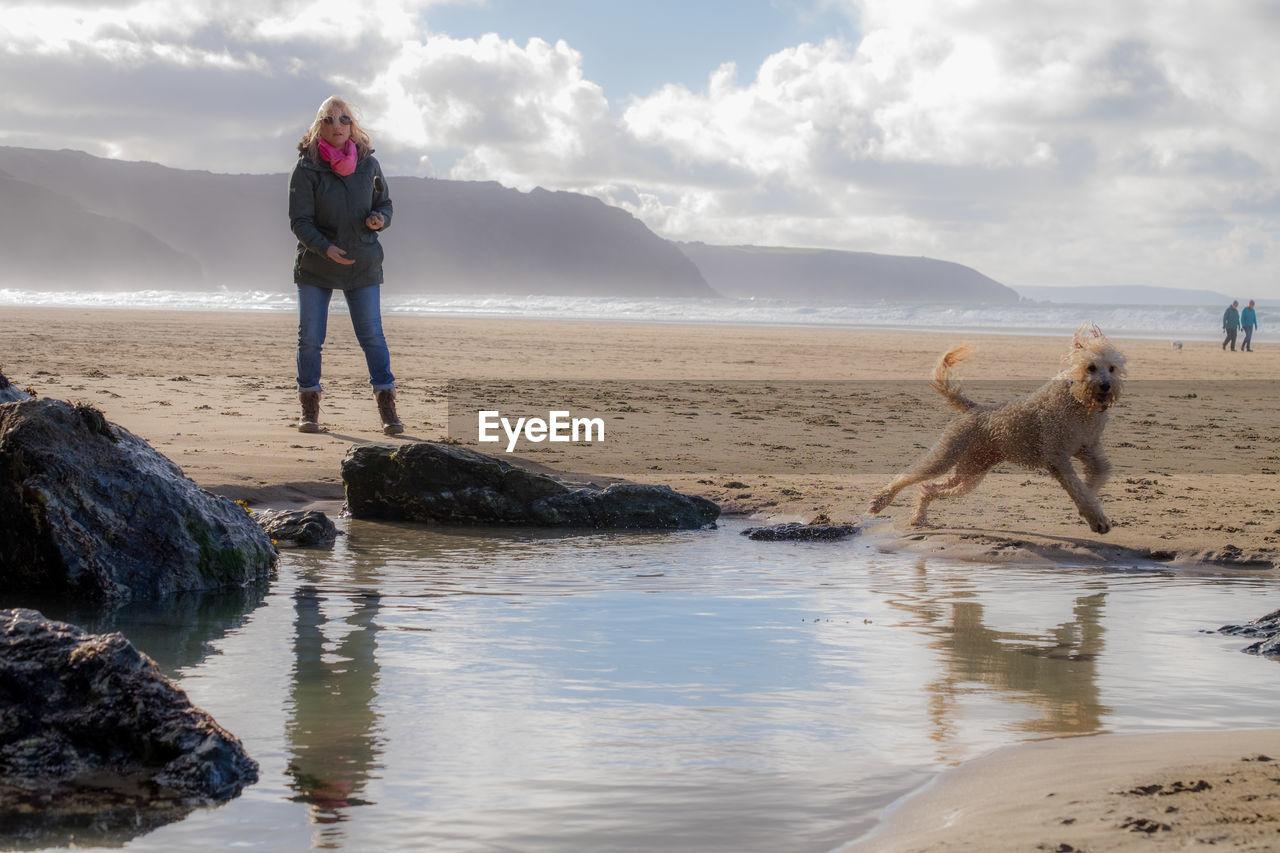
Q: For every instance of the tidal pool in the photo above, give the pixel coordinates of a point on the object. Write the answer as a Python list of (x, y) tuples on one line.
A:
[(424, 689)]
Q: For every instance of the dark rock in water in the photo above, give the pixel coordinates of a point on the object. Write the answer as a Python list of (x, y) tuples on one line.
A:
[(1265, 629), (295, 527), (445, 484), (89, 725), (10, 393), (794, 531), (89, 510)]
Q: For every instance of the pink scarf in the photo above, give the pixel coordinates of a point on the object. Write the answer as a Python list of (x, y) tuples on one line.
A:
[(342, 160)]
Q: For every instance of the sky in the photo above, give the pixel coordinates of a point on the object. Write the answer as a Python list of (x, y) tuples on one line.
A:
[(1040, 142)]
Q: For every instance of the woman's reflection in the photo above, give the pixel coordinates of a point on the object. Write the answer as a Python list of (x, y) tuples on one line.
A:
[(333, 729)]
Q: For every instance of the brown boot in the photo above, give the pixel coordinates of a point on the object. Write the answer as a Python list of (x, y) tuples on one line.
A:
[(310, 420), (391, 424)]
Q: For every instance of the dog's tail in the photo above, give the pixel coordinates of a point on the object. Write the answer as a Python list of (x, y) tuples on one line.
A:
[(945, 385)]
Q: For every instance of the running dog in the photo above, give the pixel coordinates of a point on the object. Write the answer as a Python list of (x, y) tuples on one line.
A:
[(1044, 429)]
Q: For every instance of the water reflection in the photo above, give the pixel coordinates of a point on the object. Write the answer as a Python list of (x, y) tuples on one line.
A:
[(450, 690), (177, 632), (84, 818), (333, 727), (1053, 670)]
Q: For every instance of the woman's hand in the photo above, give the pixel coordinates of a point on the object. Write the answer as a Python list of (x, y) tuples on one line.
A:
[(374, 221), (338, 256)]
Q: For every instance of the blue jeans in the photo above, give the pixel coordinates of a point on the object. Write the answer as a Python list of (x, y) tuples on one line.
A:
[(366, 319)]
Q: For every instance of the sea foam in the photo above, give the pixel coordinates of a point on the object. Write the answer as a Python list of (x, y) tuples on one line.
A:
[(1186, 322)]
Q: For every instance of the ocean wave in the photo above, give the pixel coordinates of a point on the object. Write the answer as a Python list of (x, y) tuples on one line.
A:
[(1147, 321), (170, 300)]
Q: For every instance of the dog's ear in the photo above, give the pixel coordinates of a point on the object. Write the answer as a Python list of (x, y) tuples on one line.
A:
[(1087, 332)]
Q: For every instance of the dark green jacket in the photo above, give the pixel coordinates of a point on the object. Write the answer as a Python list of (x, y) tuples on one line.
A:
[(326, 209), (1231, 319)]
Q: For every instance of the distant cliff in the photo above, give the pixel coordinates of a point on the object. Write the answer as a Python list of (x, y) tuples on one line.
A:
[(1124, 294), (47, 239), (486, 238), (76, 221), (71, 220), (837, 276)]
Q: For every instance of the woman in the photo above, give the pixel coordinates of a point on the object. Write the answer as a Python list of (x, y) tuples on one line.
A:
[(338, 202)]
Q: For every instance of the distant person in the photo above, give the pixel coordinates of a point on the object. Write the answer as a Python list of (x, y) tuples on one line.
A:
[(1248, 322), (338, 202), (1231, 324)]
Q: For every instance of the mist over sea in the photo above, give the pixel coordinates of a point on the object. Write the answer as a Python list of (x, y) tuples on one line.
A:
[(1182, 322)]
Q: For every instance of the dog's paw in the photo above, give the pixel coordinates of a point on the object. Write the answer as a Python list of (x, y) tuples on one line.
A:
[(1100, 524), (878, 503)]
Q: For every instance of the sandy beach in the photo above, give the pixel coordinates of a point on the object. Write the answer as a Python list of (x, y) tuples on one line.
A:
[(795, 422), (778, 424), (1108, 793)]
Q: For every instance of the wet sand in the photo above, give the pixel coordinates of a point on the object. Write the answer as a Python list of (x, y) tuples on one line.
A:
[(1217, 790), (799, 422)]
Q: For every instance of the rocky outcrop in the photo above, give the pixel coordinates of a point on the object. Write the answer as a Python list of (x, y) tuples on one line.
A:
[(89, 510), (297, 528), (87, 718), (773, 272), (10, 393), (446, 484), (794, 531), (1234, 555), (1265, 630)]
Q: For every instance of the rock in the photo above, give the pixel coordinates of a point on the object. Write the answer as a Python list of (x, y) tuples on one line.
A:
[(91, 511), (10, 393), (1269, 647), (295, 527), (794, 531), (1236, 557), (87, 718), (446, 484), (1266, 629)]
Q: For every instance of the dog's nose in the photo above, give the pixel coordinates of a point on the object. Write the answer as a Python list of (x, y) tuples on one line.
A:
[(1104, 387)]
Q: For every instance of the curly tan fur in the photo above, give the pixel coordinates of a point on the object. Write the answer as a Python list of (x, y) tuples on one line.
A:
[(1061, 421), (945, 385)]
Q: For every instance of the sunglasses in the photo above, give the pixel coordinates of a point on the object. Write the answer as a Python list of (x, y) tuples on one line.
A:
[(340, 119)]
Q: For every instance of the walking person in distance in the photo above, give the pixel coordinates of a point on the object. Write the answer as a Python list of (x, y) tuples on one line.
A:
[(1248, 322), (1231, 324)]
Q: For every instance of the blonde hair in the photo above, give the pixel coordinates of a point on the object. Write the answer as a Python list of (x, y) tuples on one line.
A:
[(334, 106)]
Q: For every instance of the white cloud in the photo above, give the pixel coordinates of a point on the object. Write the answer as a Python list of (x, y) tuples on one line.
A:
[(113, 32), (337, 23), (1043, 143), (55, 26), (520, 114)]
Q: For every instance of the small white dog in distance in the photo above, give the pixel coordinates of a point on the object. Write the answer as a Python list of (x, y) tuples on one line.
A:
[(1045, 429)]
